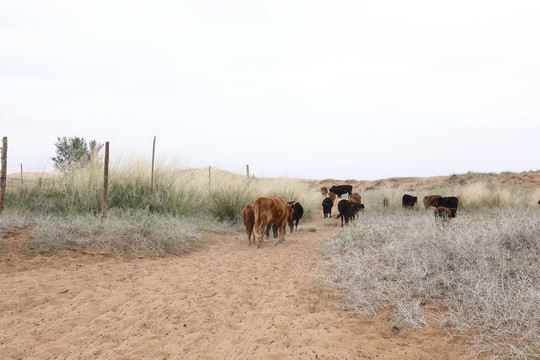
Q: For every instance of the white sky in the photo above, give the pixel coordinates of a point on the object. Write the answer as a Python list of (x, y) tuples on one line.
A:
[(312, 89)]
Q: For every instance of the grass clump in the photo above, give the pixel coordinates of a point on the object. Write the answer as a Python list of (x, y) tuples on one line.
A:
[(227, 201), (11, 220), (128, 233), (482, 270)]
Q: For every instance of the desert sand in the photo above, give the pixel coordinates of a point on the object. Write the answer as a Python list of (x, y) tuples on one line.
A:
[(226, 300)]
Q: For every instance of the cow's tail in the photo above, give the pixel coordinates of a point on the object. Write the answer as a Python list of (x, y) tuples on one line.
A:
[(256, 213)]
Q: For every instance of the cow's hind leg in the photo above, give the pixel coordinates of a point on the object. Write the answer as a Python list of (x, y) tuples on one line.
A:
[(281, 232), (267, 231), (275, 230), (259, 234)]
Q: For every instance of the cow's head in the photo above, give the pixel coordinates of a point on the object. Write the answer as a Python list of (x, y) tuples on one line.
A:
[(290, 212)]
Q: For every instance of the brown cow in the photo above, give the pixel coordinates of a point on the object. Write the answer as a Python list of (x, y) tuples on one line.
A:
[(324, 191), (271, 210), (444, 212), (431, 200), (332, 196), (355, 197), (249, 220)]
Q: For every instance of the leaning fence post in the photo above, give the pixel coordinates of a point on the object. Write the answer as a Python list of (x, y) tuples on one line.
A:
[(3, 176), (105, 182)]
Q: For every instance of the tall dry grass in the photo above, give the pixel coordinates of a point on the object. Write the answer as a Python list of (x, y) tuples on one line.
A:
[(183, 192), (471, 196), (140, 222), (481, 269)]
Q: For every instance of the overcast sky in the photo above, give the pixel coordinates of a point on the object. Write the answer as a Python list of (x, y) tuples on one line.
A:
[(312, 89)]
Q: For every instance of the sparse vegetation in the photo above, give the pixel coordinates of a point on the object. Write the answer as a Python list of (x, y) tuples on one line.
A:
[(481, 271), (67, 210), (13, 220), (128, 233)]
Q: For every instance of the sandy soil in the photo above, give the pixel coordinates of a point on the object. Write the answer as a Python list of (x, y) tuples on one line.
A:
[(227, 300)]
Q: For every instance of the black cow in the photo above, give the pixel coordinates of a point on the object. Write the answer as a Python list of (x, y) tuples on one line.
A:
[(341, 189), (450, 202), (274, 228), (408, 201), (356, 207), (327, 204), (346, 211), (298, 211)]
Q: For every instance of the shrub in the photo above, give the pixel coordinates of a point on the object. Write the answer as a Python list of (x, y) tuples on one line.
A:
[(132, 233), (481, 269)]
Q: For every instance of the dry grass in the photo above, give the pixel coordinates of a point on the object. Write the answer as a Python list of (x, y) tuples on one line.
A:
[(471, 196), (13, 220), (128, 233), (68, 209), (482, 269), (187, 192)]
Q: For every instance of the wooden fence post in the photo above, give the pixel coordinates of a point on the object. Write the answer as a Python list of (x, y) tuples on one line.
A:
[(3, 176), (209, 177), (153, 155), (105, 182), (247, 170), (22, 183)]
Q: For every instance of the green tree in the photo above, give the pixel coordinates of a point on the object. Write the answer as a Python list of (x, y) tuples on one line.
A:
[(74, 151)]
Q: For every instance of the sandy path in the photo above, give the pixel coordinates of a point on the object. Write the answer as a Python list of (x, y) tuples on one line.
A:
[(227, 300)]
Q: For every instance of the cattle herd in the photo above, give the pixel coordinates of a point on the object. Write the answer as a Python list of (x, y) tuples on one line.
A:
[(445, 207), (272, 212), (348, 209)]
